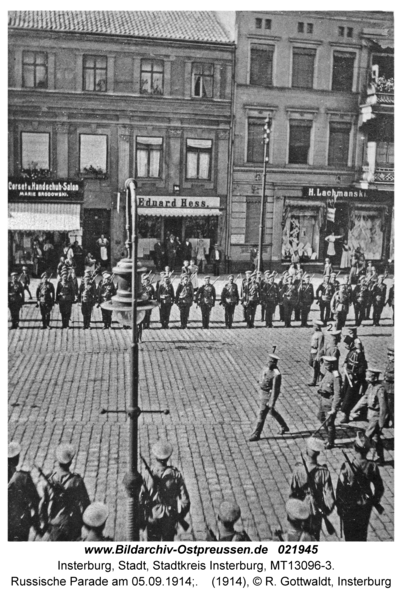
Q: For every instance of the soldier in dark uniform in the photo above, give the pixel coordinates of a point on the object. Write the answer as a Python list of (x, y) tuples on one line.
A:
[(330, 398), (25, 280), (377, 411), (281, 284), (269, 298), (23, 499), (65, 499), (320, 500), (331, 348), (360, 300), (165, 297), (94, 522), (325, 291), (229, 300), (164, 496), (298, 516), (316, 352), (250, 299), (388, 383), (355, 366), (390, 301), (65, 296), (15, 300), (45, 298), (290, 298), (340, 306), (244, 283), (378, 299), (106, 289), (229, 514), (306, 299), (159, 254), (184, 299), (87, 297), (147, 293), (270, 388), (359, 488), (205, 299), (371, 280)]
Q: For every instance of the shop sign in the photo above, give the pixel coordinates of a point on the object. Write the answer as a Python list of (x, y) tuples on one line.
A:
[(67, 190), (334, 193), (177, 202)]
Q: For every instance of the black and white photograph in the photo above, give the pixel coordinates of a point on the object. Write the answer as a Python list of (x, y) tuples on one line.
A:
[(201, 258)]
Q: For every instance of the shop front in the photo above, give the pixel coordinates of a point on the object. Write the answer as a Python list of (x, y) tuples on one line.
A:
[(301, 229)]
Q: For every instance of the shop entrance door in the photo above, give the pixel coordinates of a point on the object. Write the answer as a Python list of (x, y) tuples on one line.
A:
[(96, 222), (173, 225), (339, 227)]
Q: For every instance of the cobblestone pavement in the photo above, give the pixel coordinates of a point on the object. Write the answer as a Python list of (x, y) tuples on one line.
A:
[(60, 379)]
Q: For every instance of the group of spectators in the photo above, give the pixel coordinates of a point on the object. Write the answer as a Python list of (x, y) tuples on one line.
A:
[(175, 252)]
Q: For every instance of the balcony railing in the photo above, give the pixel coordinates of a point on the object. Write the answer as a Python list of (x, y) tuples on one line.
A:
[(384, 175)]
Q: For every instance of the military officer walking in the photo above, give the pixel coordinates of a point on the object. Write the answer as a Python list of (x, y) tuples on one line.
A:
[(377, 411), (316, 352), (106, 290), (15, 299), (311, 483), (378, 299), (45, 298), (340, 306), (306, 299), (359, 488), (325, 291), (165, 297), (23, 499), (205, 299), (164, 496), (229, 300), (184, 299), (270, 388), (65, 296), (355, 366), (87, 297), (65, 499), (330, 398)]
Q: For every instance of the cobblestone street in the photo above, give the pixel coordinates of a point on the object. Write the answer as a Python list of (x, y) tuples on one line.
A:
[(59, 380)]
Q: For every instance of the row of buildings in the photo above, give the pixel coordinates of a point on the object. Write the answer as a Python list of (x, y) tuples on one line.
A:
[(178, 101)]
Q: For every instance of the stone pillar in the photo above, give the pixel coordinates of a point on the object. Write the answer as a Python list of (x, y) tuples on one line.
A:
[(174, 174), (62, 150)]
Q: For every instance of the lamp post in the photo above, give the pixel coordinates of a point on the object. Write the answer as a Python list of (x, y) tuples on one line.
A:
[(130, 308), (267, 131)]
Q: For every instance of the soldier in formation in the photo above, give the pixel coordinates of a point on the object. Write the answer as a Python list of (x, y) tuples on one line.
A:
[(270, 388), (165, 297), (269, 297), (340, 306), (316, 352), (290, 299), (306, 299), (250, 298), (388, 383), (360, 300), (15, 300), (205, 298), (94, 522), (228, 515), (147, 293), (87, 297), (330, 398), (164, 497), (378, 299), (105, 291), (65, 296), (229, 300), (325, 291), (298, 517), (45, 299), (23, 499), (184, 299)]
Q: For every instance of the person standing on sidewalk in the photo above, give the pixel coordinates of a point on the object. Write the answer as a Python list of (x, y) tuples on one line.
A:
[(306, 299), (45, 298), (270, 387)]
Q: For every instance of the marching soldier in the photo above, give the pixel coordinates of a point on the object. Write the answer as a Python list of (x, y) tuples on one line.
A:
[(306, 299), (352, 332), (87, 297), (205, 299), (164, 496), (290, 298), (165, 297), (23, 499), (378, 299), (298, 516), (360, 300), (340, 306), (325, 291), (229, 514), (45, 298), (377, 411), (15, 300), (269, 297), (250, 299), (388, 383), (106, 289), (311, 483), (355, 366), (25, 280), (270, 388), (332, 349), (147, 293), (316, 352), (330, 398), (94, 522), (229, 300), (359, 488), (65, 296), (65, 499), (184, 299)]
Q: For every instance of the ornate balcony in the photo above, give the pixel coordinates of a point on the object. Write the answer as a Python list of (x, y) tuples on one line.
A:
[(384, 175)]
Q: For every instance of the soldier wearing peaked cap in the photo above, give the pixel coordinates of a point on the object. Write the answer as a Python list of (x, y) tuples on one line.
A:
[(360, 298), (229, 300), (65, 296), (15, 299), (269, 298), (164, 497), (94, 522), (270, 388), (87, 297), (105, 291), (229, 513), (165, 297), (316, 351), (23, 499), (359, 488), (324, 294), (65, 499), (184, 299), (340, 306), (250, 297), (330, 398), (306, 299), (311, 483), (147, 293), (205, 298), (388, 383), (331, 347), (45, 298), (378, 298)]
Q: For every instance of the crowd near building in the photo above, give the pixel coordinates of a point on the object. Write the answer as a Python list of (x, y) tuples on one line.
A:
[(178, 101)]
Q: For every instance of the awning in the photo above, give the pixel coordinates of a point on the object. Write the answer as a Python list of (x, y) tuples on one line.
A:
[(179, 212), (296, 203), (43, 217)]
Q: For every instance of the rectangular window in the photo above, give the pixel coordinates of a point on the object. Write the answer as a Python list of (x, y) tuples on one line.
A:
[(385, 154), (255, 141), (300, 28), (203, 80), (341, 31), (95, 74), (149, 156), (342, 72), (258, 23), (261, 63), (303, 68), (349, 32), (34, 69), (338, 150), (310, 27), (253, 210), (299, 141), (152, 77), (35, 149), (198, 159), (268, 23), (93, 154)]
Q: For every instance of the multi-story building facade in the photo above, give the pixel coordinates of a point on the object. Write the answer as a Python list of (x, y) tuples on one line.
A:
[(98, 97), (308, 72)]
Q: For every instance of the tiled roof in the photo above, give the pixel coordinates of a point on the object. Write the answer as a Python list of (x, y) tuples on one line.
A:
[(173, 25)]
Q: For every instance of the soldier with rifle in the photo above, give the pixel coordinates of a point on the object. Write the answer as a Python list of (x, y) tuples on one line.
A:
[(340, 306), (330, 398), (306, 299), (311, 483), (147, 293), (359, 489), (298, 515), (269, 297), (205, 298), (378, 299), (324, 294), (45, 297), (164, 496), (229, 300), (229, 514), (94, 521), (355, 366), (250, 299), (87, 297), (23, 499), (106, 289), (65, 499), (184, 299), (165, 297)]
